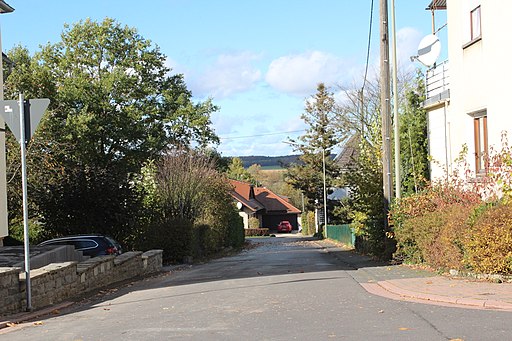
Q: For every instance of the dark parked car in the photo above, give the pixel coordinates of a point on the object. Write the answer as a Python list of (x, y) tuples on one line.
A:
[(284, 226), (91, 245)]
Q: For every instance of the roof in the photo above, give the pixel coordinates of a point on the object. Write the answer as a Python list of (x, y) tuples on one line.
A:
[(244, 193), (436, 4), (261, 198), (274, 202), (349, 152)]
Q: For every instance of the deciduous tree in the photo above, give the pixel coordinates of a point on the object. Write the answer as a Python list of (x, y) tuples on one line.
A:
[(114, 105)]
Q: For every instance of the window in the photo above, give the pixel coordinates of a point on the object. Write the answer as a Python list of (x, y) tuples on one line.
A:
[(476, 28), (481, 147)]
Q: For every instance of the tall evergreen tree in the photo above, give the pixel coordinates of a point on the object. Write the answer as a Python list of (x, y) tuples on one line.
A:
[(236, 171), (315, 147)]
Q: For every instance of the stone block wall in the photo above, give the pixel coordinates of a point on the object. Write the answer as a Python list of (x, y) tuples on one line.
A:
[(57, 282), (10, 294)]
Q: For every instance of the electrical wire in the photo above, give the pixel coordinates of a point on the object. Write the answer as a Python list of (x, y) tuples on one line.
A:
[(368, 49), (259, 135)]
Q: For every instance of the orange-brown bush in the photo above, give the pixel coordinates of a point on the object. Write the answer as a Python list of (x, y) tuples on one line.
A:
[(428, 226), (489, 245), (435, 238), (464, 223)]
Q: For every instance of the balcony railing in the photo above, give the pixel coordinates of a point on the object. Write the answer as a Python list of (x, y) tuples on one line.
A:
[(437, 79)]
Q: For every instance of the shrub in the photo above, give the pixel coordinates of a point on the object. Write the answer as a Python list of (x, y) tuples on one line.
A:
[(428, 226), (489, 246), (464, 223), (189, 211), (308, 223), (435, 238), (254, 223), (236, 231), (172, 235)]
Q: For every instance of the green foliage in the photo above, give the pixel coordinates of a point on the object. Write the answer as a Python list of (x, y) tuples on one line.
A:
[(187, 202), (114, 105), (414, 139), (308, 223), (236, 171), (236, 231), (254, 223), (365, 205), (315, 147)]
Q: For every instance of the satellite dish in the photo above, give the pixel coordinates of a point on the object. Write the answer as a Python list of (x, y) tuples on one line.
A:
[(429, 50), (239, 205)]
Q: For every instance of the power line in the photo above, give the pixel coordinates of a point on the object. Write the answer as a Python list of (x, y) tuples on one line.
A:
[(368, 49), (259, 135)]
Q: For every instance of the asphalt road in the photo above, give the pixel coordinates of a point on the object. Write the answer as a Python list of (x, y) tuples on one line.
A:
[(285, 288)]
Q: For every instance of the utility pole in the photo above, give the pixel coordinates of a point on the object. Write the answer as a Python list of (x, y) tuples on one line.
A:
[(398, 189), (385, 108)]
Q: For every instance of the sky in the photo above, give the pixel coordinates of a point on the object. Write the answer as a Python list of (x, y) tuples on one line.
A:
[(259, 60)]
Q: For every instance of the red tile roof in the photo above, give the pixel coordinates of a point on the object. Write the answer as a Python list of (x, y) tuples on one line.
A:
[(244, 193), (257, 198), (273, 202)]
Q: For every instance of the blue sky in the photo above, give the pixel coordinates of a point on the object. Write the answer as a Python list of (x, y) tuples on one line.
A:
[(258, 59)]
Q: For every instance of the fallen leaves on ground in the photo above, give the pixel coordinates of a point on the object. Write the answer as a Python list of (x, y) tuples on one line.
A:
[(38, 323), (11, 324)]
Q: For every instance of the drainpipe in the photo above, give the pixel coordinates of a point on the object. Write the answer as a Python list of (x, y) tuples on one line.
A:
[(446, 140)]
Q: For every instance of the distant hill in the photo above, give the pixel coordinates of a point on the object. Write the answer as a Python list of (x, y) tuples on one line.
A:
[(269, 161)]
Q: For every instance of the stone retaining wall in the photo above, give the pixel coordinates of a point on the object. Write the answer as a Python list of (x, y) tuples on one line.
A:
[(57, 282)]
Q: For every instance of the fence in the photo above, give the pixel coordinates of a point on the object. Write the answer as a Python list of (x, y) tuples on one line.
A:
[(341, 233)]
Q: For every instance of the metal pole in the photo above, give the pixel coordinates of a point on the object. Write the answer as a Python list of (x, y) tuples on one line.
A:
[(398, 191), (4, 228), (325, 193), (385, 108), (25, 203)]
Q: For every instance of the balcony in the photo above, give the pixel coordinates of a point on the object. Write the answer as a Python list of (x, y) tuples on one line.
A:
[(437, 83)]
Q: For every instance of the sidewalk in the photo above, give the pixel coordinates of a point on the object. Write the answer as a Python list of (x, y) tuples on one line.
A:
[(400, 282)]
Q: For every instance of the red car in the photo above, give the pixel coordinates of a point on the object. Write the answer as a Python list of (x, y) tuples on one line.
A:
[(284, 226)]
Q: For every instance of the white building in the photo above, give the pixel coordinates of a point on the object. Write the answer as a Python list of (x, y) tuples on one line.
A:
[(468, 104)]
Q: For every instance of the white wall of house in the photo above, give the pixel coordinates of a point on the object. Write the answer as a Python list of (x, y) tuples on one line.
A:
[(245, 216), (480, 77), (439, 147)]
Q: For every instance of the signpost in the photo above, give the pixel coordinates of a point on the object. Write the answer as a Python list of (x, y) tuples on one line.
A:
[(22, 117)]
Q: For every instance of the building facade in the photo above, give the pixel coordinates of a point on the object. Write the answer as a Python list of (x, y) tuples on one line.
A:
[(467, 103)]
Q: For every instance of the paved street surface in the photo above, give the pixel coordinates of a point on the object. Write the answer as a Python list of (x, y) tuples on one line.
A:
[(284, 288)]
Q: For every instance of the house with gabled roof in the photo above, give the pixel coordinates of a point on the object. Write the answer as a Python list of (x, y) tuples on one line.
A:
[(468, 104), (261, 203)]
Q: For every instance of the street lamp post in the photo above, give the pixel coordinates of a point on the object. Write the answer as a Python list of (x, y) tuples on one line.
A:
[(4, 8), (325, 192)]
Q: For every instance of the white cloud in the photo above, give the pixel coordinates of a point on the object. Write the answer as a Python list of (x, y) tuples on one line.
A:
[(300, 74), (407, 40), (231, 73)]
